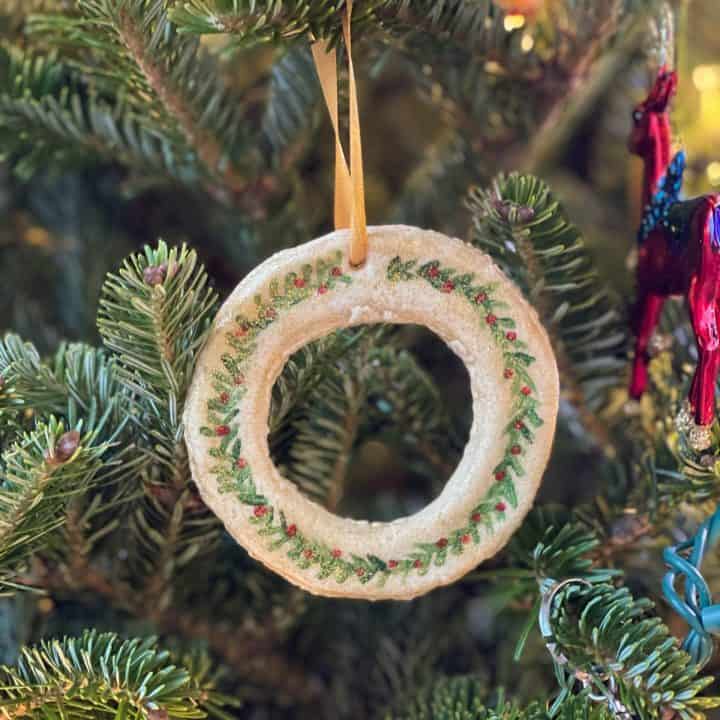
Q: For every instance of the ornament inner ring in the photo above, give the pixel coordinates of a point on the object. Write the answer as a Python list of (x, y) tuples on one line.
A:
[(302, 294)]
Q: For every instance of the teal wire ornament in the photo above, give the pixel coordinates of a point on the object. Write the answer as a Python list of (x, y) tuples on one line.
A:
[(695, 606)]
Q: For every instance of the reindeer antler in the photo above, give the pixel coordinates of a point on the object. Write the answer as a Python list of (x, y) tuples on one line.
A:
[(662, 91)]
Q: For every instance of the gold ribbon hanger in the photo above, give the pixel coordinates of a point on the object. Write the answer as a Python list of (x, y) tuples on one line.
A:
[(349, 181)]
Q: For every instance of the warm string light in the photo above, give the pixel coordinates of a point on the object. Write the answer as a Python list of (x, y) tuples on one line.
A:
[(706, 79), (514, 21), (527, 8), (527, 43), (713, 172), (519, 14)]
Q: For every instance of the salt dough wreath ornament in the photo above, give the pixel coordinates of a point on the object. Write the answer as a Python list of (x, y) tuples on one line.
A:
[(406, 275), (299, 295)]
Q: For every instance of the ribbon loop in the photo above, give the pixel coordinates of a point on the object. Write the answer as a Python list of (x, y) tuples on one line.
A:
[(349, 180)]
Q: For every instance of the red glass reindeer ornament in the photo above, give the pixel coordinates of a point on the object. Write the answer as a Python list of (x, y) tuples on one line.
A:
[(679, 255)]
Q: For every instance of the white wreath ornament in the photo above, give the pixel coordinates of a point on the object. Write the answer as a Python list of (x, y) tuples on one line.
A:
[(299, 295)]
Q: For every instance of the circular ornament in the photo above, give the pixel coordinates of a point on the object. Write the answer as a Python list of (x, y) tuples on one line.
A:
[(299, 295)]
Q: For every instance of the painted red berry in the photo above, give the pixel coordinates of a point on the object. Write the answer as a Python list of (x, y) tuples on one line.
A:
[(240, 332), (490, 319), (336, 553), (480, 298), (526, 390), (322, 289), (433, 272), (465, 539), (291, 530), (222, 430), (516, 450), (360, 572), (392, 564), (241, 463), (270, 313), (299, 283), (508, 373), (448, 287), (442, 543), (239, 379), (500, 475), (260, 511), (519, 425), (511, 336), (308, 554), (417, 564), (336, 272), (501, 507), (476, 517), (224, 398)]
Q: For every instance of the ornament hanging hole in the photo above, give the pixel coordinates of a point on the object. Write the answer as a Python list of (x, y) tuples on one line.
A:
[(408, 396)]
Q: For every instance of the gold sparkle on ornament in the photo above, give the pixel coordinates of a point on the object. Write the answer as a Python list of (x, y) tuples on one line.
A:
[(514, 21)]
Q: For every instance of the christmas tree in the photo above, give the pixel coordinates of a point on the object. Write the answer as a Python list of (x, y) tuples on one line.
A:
[(153, 153)]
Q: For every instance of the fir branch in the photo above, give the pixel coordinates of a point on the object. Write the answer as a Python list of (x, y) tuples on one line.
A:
[(78, 383), (319, 400), (605, 627), (47, 119), (555, 543), (154, 315), (465, 698), (443, 164), (407, 410), (102, 676), (523, 227), (253, 21), (250, 647), (24, 7), (359, 389), (170, 528), (301, 376), (14, 13), (42, 472), (485, 80), (588, 81), (134, 52), (324, 439), (551, 543), (29, 384), (457, 698), (292, 95)]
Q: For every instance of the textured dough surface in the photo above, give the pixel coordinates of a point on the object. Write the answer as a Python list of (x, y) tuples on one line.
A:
[(369, 296)]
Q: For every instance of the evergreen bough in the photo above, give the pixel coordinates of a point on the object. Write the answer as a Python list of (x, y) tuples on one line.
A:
[(99, 676), (524, 227)]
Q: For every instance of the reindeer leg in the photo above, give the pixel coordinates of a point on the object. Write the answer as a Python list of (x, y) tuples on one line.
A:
[(648, 309), (704, 310), (703, 296), (703, 397)]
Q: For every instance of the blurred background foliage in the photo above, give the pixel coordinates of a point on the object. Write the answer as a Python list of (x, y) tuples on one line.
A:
[(224, 145)]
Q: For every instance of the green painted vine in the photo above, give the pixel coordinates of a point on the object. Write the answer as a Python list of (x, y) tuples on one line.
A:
[(234, 474)]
